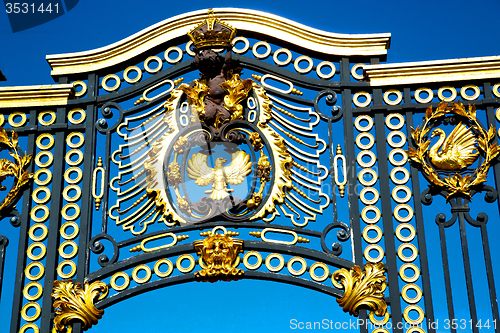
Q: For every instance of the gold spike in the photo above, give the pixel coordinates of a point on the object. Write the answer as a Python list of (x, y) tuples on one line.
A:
[(257, 77), (256, 234), (339, 150), (139, 101), (135, 204), (302, 240), (290, 207), (300, 167), (303, 195), (136, 249), (177, 81), (289, 114), (296, 92), (296, 139), (205, 233)]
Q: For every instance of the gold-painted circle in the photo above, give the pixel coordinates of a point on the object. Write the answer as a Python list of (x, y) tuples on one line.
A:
[(294, 272), (400, 181), (185, 269), (381, 330), (284, 62), (369, 164), (188, 49), (75, 180), (256, 255), (41, 255), (447, 99), (364, 200), (167, 55), (364, 182), (369, 240), (65, 226), (75, 197), (161, 262), (303, 70), (379, 322), (404, 293), (403, 188), (495, 90), (46, 122), (406, 314), (71, 116), (62, 265), (359, 94), (38, 159), (261, 55), (404, 277), (363, 135), (24, 311), (377, 248), (81, 84), (104, 82), (415, 330), (244, 49), (42, 182), (396, 126), (34, 227), (38, 276), (354, 70), (429, 98), (45, 136), (137, 269), (364, 214), (406, 226), (135, 69), (39, 291), (399, 144), (398, 217), (2, 119), (410, 246), (37, 190), (327, 64), (35, 209), (395, 152), (28, 326), (275, 268), (157, 69), (313, 273), (65, 244), (20, 123), (64, 211), (399, 97), (69, 138), (463, 92), (74, 152), (359, 119), (125, 284)]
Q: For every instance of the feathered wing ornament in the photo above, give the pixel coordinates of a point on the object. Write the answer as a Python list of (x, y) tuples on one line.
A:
[(240, 167)]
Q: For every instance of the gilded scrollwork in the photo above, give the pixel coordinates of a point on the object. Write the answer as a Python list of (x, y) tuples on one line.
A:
[(456, 152), (72, 303), (16, 169), (362, 288)]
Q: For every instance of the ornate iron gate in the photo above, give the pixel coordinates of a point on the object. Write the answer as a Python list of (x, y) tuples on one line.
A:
[(135, 173)]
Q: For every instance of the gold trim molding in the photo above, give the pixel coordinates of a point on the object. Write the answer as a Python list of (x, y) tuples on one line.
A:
[(43, 95), (72, 302), (433, 71), (244, 20)]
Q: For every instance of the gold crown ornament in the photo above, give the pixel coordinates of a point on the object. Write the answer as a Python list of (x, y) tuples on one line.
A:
[(212, 33)]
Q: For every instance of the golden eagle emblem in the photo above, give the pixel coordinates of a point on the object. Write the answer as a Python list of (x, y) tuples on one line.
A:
[(458, 150), (219, 176)]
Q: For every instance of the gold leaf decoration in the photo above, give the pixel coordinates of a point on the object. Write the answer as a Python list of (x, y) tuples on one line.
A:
[(15, 169), (457, 150), (362, 288), (72, 303)]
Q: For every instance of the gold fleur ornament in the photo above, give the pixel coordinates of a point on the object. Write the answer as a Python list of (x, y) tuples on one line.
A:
[(72, 302), (456, 152)]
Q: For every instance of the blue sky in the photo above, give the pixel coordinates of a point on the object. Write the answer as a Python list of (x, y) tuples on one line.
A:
[(423, 30)]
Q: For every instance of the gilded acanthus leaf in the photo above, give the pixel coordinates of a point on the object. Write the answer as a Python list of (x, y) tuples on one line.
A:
[(72, 302), (362, 288)]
